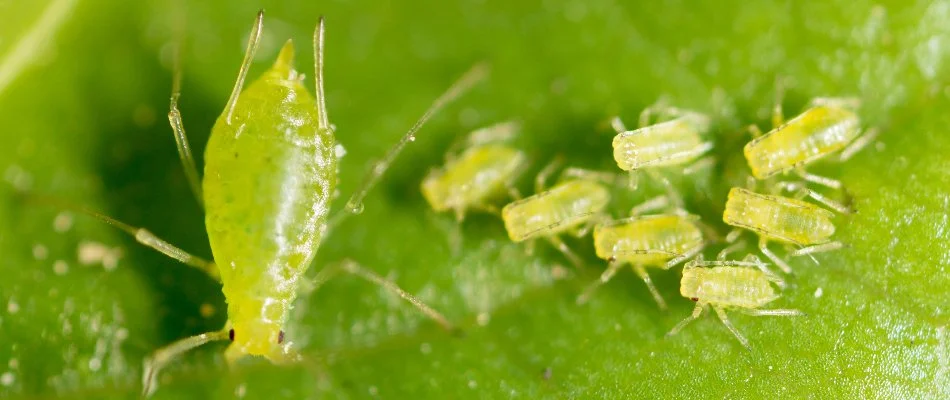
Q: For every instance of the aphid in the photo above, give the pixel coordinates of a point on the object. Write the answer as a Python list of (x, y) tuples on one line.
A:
[(575, 205), (744, 285), (482, 172), (826, 126), (660, 241), (781, 219), (270, 175), (675, 139)]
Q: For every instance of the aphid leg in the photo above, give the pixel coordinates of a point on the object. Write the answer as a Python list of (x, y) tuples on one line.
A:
[(724, 253), (754, 131), (529, 247), (772, 313), (144, 237), (671, 191), (660, 106), (562, 247), (818, 179), (642, 273), (617, 124), (778, 116), (584, 229), (355, 203), (252, 43), (514, 193), (725, 321), (764, 248), (500, 132), (802, 191), (700, 164), (683, 257), (581, 173), (818, 248), (154, 364), (178, 127), (733, 235), (861, 142), (851, 103), (633, 179), (655, 203), (606, 276), (354, 268), (546, 172), (695, 315)]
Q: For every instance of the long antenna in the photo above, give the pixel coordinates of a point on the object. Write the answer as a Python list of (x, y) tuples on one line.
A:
[(318, 36), (478, 72)]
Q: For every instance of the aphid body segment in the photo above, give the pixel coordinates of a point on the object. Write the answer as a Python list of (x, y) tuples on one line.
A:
[(782, 219), (813, 134), (742, 285), (481, 173), (559, 209), (569, 205), (674, 142), (660, 241)]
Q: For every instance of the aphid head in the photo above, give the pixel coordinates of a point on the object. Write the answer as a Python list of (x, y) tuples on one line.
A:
[(258, 339), (690, 284)]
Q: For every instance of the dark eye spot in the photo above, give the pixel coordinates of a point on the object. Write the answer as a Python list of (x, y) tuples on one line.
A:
[(611, 259), (280, 337), (694, 298), (231, 335)]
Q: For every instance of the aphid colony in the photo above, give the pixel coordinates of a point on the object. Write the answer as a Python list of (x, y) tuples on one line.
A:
[(270, 174), (659, 233)]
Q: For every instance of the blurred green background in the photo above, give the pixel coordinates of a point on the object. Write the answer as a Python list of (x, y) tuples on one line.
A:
[(83, 109)]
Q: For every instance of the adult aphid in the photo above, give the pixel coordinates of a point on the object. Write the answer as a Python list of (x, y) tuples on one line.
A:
[(270, 175), (573, 205), (826, 126), (674, 138), (742, 285), (482, 172)]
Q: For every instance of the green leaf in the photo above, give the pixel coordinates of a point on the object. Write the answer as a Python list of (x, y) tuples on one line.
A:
[(81, 304)]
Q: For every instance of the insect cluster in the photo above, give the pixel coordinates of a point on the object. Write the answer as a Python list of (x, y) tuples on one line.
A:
[(660, 233), (270, 175)]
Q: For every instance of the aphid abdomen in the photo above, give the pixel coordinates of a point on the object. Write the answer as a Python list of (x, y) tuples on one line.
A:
[(479, 174), (269, 178), (777, 217), (657, 145), (563, 207), (650, 240), (728, 286), (816, 132)]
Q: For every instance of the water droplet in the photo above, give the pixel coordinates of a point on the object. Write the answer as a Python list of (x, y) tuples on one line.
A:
[(7, 379), (356, 208), (60, 267), (40, 252), (13, 307), (63, 222)]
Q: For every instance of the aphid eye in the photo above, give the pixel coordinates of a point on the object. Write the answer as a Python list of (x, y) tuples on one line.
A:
[(280, 337), (611, 259), (694, 298), (231, 335)]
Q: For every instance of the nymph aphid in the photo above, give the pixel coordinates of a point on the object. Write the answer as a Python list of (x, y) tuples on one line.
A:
[(674, 139), (573, 205), (781, 219), (660, 241), (270, 175), (742, 285), (826, 126), (483, 172)]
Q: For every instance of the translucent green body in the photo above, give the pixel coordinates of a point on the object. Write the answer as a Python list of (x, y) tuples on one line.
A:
[(673, 142), (270, 174), (815, 133), (565, 206), (472, 179), (779, 218), (727, 286), (649, 240)]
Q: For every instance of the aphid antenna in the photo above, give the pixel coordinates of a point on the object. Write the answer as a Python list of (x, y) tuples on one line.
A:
[(253, 41), (174, 115), (474, 75)]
